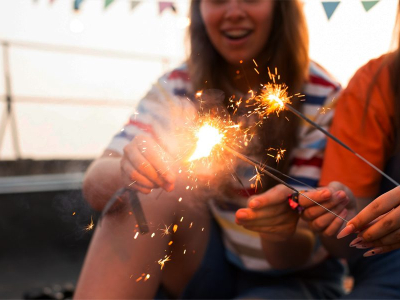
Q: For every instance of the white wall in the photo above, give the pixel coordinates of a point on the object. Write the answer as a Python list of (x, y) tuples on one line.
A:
[(69, 104)]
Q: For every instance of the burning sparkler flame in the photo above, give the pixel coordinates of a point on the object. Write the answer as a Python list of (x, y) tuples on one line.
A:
[(208, 136)]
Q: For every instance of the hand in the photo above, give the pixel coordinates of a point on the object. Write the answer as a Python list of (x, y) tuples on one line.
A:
[(143, 169), (270, 215), (335, 197), (378, 224)]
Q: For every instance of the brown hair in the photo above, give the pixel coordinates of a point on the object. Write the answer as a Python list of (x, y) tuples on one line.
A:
[(395, 80), (393, 62), (286, 50)]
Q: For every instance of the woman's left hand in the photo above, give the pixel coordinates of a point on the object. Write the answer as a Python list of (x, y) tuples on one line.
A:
[(270, 215)]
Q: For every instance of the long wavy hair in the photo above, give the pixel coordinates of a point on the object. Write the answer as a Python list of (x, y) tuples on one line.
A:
[(286, 50), (395, 80), (392, 61)]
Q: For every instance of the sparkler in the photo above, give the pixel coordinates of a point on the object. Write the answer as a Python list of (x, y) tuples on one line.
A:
[(258, 165), (213, 141), (274, 98)]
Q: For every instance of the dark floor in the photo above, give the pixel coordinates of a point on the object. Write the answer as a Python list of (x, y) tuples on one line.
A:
[(43, 243)]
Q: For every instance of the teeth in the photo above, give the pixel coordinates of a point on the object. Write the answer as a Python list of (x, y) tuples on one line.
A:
[(236, 33)]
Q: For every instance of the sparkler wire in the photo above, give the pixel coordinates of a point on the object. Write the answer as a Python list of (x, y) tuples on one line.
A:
[(251, 162), (299, 114)]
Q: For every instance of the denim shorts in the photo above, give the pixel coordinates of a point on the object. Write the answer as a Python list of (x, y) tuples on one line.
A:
[(218, 278)]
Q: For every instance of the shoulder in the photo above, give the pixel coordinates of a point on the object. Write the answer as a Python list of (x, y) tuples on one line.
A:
[(320, 77), (375, 70), (176, 82), (320, 86)]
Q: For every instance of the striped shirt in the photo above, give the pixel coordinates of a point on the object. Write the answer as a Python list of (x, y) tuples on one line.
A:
[(167, 107)]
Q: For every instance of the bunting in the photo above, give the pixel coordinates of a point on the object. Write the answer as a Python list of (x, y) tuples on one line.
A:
[(369, 4), (107, 3), (163, 5), (77, 4), (330, 7), (134, 3)]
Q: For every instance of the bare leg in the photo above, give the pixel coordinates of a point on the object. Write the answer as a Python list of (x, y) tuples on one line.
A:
[(116, 259)]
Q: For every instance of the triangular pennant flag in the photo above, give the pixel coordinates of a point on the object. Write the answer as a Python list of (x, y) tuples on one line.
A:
[(134, 3), (162, 5), (330, 7), (107, 3), (369, 4), (77, 4)]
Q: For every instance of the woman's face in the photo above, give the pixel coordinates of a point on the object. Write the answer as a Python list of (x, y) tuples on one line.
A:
[(238, 29)]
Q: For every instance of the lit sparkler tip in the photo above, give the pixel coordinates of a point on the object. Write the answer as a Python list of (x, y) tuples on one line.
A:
[(208, 136)]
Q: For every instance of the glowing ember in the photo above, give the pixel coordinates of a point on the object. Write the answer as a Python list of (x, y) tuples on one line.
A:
[(162, 262), (257, 179), (175, 228), (136, 235), (91, 225), (208, 137), (165, 231)]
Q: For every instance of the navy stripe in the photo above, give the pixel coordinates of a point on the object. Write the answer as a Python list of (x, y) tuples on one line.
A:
[(306, 180), (123, 134), (180, 92), (314, 100)]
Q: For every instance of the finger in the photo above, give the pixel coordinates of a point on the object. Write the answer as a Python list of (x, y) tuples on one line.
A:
[(276, 195), (135, 177), (382, 249), (321, 223), (141, 164), (377, 207), (339, 201), (139, 188), (158, 158), (336, 224), (248, 214), (384, 226), (320, 195)]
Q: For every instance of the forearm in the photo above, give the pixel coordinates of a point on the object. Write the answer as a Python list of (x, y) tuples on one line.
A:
[(291, 253), (102, 180)]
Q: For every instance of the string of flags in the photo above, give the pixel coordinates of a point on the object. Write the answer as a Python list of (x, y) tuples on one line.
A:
[(329, 6)]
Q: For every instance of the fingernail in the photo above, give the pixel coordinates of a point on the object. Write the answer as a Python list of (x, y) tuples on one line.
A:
[(341, 195), (169, 187), (361, 246), (168, 177), (254, 204), (326, 194), (346, 231), (242, 214), (356, 241), (373, 252)]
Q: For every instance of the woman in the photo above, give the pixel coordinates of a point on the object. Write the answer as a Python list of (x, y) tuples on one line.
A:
[(367, 120), (228, 38)]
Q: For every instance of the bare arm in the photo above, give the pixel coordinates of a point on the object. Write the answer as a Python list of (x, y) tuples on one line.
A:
[(140, 168), (102, 179)]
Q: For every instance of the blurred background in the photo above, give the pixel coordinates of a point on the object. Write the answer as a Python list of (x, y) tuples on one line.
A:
[(71, 72)]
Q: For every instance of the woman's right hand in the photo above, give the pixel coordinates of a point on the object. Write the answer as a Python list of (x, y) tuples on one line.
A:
[(377, 225), (144, 166)]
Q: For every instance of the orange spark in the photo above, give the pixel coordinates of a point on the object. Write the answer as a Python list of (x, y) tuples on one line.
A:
[(162, 262), (165, 231), (175, 228), (91, 225)]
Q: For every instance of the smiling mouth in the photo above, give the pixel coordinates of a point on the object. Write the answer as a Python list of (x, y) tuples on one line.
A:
[(237, 34)]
